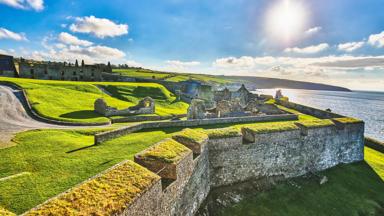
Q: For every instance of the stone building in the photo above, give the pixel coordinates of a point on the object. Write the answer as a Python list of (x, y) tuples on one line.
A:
[(61, 70), (7, 67)]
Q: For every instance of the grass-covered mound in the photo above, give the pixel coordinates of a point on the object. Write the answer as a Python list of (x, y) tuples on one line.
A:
[(316, 123), (56, 160), (107, 194), (172, 77), (168, 151), (352, 189), (74, 101), (223, 133), (4, 212), (271, 127), (165, 101), (191, 135)]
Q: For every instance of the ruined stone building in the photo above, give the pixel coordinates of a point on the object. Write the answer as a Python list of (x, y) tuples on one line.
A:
[(60, 70), (7, 67), (51, 70)]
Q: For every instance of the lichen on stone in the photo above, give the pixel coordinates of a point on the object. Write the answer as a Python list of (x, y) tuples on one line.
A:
[(348, 120), (193, 135), (223, 133), (168, 151), (5, 212), (108, 194)]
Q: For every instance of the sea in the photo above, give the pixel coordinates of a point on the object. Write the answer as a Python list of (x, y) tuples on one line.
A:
[(365, 105)]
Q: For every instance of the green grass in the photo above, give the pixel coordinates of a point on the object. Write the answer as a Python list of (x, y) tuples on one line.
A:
[(172, 77), (168, 151), (317, 123), (352, 189), (4, 212), (223, 133), (142, 73), (192, 135), (301, 116), (375, 159), (271, 127), (59, 159), (348, 120), (73, 101), (165, 101), (106, 194)]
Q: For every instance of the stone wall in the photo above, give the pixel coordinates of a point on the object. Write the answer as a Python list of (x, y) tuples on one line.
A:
[(109, 135), (309, 110), (284, 153), (374, 144), (241, 157), (251, 155)]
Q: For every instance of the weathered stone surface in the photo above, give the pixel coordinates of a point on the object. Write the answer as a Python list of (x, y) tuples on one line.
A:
[(196, 109), (145, 106)]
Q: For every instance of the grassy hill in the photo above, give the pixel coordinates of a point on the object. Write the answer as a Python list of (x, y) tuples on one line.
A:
[(73, 101), (251, 81), (352, 189), (172, 77)]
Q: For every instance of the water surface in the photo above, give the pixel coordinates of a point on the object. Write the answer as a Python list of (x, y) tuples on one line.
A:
[(368, 106)]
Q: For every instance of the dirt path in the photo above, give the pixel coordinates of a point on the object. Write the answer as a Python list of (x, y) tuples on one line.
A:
[(14, 118)]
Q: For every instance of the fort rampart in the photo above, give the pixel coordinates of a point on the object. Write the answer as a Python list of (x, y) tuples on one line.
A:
[(219, 158)]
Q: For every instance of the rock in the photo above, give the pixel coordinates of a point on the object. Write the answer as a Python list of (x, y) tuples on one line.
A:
[(323, 180), (279, 94), (196, 109)]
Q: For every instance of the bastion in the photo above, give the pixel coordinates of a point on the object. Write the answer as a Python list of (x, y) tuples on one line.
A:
[(174, 176)]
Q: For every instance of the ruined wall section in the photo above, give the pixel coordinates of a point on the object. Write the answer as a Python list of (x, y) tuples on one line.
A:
[(227, 158), (284, 154)]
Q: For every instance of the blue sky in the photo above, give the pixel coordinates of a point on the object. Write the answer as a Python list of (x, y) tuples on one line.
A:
[(336, 42)]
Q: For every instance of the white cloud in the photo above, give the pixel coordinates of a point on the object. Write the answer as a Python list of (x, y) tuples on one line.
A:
[(57, 51), (178, 63), (132, 63), (377, 40), (100, 27), (269, 62), (7, 34), (242, 62), (313, 30), (60, 46), (72, 40), (37, 5), (92, 54), (308, 50), (351, 46)]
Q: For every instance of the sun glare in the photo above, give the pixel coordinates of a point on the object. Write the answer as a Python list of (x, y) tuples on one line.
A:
[(286, 19)]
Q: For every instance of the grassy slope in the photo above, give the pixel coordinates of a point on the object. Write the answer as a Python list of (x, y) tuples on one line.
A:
[(169, 76), (54, 160), (73, 101), (353, 189)]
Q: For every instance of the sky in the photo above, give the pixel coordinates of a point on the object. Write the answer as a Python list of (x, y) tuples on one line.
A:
[(333, 42)]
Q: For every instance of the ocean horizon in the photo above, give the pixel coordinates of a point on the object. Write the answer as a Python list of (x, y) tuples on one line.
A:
[(365, 105)]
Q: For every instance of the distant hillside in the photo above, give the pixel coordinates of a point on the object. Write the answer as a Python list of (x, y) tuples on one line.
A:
[(268, 83), (251, 82)]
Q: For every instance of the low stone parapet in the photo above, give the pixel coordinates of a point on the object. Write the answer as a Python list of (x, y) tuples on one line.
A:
[(374, 144), (192, 139), (105, 136), (124, 189), (164, 158)]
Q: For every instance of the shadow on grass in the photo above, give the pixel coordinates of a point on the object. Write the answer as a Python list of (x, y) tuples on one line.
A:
[(352, 189), (82, 114), (79, 149)]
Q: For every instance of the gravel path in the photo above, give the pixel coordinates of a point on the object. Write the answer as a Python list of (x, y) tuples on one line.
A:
[(14, 118)]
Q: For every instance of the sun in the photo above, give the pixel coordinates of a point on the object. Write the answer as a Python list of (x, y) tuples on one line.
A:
[(286, 20)]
